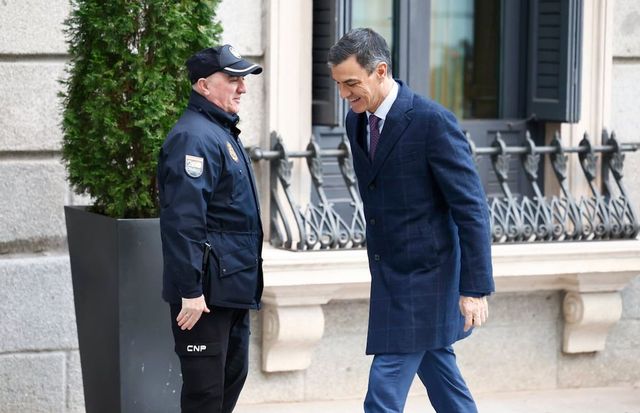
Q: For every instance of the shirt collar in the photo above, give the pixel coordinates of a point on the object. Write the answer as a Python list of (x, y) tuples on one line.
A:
[(386, 104), (201, 104)]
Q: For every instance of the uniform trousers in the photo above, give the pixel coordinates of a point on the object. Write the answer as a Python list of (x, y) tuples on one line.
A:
[(213, 359), (391, 376)]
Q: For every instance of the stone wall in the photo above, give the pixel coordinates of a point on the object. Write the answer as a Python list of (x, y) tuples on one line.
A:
[(625, 87), (39, 361), (620, 363), (32, 179), (518, 349)]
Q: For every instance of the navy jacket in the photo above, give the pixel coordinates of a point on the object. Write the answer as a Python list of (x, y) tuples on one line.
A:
[(208, 196), (428, 231)]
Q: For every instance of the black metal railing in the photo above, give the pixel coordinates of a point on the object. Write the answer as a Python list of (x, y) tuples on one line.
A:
[(514, 218)]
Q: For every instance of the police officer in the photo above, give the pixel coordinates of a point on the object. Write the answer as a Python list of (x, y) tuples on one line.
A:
[(211, 233)]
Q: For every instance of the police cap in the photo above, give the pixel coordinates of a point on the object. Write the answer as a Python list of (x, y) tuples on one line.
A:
[(219, 59)]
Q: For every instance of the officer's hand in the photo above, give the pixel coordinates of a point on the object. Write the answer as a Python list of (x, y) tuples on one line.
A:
[(475, 311), (191, 311)]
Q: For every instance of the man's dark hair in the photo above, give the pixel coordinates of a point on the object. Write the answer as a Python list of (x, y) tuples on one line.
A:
[(366, 45)]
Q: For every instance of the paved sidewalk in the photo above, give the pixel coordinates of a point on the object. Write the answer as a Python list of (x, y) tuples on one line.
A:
[(596, 400)]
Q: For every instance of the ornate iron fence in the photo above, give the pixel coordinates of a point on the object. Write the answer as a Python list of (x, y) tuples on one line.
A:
[(606, 213)]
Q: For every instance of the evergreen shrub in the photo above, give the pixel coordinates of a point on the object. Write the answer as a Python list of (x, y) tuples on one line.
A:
[(126, 86)]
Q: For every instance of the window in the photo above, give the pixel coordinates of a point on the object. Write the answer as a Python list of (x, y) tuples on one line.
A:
[(483, 59), (464, 57), (497, 64), (376, 14)]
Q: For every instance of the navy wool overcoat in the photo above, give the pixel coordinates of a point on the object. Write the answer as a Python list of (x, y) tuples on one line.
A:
[(428, 231)]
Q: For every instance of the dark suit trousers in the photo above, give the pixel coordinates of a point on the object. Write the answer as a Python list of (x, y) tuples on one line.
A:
[(213, 359), (392, 374)]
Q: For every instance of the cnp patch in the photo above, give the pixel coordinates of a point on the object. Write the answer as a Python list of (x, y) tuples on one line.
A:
[(232, 152), (193, 165), (197, 349)]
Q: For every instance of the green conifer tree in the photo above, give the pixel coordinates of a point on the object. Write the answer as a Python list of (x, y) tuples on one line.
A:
[(126, 86)]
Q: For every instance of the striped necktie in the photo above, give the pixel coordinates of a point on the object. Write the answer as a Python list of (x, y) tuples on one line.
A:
[(374, 135)]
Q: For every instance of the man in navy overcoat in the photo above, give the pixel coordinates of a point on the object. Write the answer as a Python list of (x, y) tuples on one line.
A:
[(428, 231)]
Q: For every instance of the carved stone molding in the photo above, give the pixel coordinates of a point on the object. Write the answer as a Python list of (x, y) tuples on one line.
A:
[(588, 318), (297, 285), (289, 336)]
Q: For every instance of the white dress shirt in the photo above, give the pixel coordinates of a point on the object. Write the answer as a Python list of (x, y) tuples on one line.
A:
[(383, 110)]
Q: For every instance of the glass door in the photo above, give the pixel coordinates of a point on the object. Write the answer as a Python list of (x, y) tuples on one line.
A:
[(476, 70), (375, 14), (378, 15), (465, 57), (468, 55)]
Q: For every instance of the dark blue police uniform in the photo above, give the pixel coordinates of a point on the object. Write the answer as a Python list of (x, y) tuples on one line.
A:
[(208, 197), (212, 241)]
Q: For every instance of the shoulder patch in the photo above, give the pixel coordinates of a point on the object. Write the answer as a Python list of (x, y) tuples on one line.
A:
[(193, 165)]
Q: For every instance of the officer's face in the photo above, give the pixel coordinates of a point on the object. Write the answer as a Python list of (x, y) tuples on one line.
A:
[(363, 90), (224, 91)]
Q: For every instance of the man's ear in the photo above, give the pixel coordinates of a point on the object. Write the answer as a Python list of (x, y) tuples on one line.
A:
[(201, 86), (381, 70)]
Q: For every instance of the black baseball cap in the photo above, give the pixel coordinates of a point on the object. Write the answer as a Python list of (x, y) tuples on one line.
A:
[(219, 59)]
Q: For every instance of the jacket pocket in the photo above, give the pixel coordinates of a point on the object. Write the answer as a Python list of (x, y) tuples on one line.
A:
[(242, 191), (237, 261)]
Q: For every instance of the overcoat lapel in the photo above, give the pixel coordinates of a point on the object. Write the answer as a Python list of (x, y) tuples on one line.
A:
[(359, 137), (396, 122)]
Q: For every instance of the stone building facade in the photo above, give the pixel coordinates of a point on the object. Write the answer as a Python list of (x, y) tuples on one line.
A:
[(316, 308)]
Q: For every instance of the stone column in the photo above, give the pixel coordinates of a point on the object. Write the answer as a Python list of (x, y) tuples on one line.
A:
[(288, 71)]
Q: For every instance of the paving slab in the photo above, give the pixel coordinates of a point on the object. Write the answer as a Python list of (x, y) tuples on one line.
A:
[(586, 400)]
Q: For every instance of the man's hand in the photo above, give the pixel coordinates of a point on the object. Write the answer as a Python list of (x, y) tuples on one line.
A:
[(475, 311), (191, 312)]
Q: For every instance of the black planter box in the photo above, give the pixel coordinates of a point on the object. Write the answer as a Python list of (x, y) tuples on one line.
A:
[(124, 330)]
